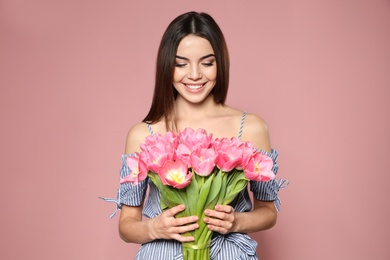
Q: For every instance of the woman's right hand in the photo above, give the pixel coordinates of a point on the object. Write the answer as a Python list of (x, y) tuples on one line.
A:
[(166, 226)]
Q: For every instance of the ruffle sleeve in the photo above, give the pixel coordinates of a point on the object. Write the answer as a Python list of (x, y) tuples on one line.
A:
[(268, 191), (128, 194)]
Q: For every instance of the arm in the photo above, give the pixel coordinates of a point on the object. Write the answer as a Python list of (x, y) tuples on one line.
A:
[(225, 220), (132, 228), (263, 216)]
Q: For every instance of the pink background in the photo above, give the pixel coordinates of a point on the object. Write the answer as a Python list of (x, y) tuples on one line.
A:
[(75, 75)]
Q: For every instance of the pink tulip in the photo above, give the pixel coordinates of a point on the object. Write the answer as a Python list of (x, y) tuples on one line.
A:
[(220, 144), (172, 139), (202, 161), (194, 139), (235, 141), (176, 174), (166, 143), (138, 171), (158, 149), (228, 157), (216, 144), (247, 153), (259, 168), (150, 141), (183, 153), (155, 158)]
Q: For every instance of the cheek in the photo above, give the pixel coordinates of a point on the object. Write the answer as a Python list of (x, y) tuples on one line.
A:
[(212, 74), (178, 75), (212, 71)]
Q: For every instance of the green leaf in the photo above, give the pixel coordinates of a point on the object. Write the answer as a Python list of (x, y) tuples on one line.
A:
[(200, 181), (182, 196), (170, 196), (192, 194), (203, 194), (234, 177), (236, 188), (214, 190), (156, 180), (236, 182), (222, 192), (163, 205)]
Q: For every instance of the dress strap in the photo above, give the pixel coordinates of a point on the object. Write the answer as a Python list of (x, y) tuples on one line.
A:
[(150, 128), (241, 125)]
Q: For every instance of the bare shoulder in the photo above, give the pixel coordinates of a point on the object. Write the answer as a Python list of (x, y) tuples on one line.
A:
[(256, 130), (255, 124), (135, 137)]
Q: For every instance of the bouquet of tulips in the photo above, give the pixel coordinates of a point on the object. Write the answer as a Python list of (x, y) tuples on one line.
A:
[(193, 169)]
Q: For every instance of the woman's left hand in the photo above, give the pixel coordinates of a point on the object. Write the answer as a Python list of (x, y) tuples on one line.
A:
[(221, 220)]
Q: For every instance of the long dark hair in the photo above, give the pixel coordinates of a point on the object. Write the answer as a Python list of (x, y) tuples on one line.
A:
[(199, 24)]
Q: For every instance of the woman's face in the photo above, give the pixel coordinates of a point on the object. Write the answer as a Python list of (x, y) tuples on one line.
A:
[(195, 71)]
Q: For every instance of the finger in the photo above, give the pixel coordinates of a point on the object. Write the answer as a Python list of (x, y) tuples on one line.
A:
[(212, 221), (182, 239), (174, 210), (220, 230), (217, 223), (185, 220), (216, 214), (184, 229), (224, 208), (221, 222)]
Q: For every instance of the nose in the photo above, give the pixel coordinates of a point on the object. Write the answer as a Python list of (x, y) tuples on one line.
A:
[(194, 73)]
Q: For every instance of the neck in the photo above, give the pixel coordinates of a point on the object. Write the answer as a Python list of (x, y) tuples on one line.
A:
[(186, 110)]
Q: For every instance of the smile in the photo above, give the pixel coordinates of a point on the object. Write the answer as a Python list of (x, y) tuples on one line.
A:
[(194, 86)]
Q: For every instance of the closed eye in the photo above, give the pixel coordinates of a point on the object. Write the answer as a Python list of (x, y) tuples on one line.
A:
[(208, 64)]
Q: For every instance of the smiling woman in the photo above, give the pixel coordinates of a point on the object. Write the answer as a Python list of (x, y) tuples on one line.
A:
[(191, 85), (195, 69)]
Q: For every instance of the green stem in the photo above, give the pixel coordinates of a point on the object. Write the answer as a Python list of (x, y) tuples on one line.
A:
[(191, 252)]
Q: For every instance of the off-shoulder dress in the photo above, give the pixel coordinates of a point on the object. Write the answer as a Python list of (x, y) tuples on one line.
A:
[(230, 246)]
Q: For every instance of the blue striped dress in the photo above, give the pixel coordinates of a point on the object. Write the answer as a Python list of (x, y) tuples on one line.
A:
[(223, 247)]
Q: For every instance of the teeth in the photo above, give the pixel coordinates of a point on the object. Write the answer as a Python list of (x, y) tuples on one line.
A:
[(194, 86)]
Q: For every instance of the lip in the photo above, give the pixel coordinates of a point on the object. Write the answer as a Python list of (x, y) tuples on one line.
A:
[(194, 88)]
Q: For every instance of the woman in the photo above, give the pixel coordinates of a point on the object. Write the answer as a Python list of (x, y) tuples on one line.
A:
[(191, 85)]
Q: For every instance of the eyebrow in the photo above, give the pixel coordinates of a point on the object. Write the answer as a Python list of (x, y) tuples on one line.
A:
[(202, 58)]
